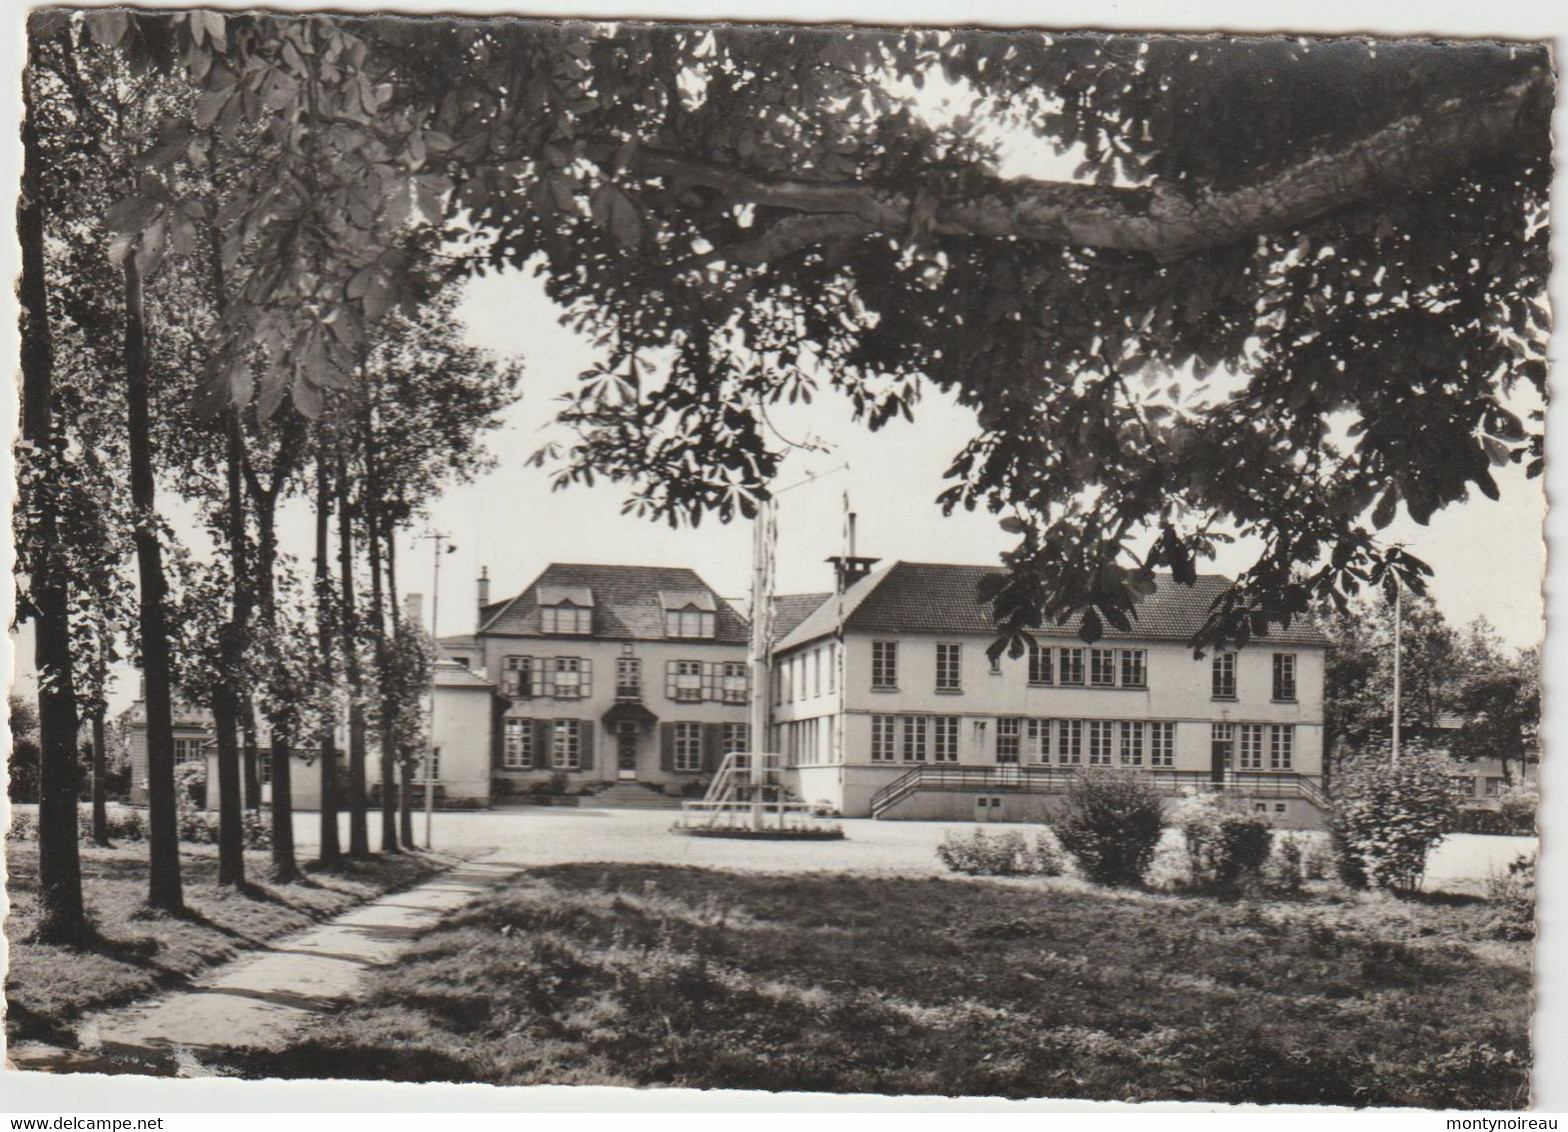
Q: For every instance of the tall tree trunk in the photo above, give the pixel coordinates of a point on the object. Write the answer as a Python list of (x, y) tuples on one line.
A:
[(387, 737), (405, 811), (100, 787), (358, 822), (250, 768), (61, 918), (163, 841), (285, 868), (331, 851), (234, 647)]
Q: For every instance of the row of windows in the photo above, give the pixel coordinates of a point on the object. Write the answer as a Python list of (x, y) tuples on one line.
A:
[(1463, 785), (571, 678), (561, 742), (1077, 666), (1241, 746), (806, 675), (1074, 742)]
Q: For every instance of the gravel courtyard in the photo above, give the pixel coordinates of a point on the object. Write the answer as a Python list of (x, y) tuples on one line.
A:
[(558, 835)]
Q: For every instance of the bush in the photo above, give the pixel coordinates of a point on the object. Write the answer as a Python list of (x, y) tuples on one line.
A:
[(1007, 854), (1517, 806), (1514, 894), (1111, 823), (557, 783), (123, 825), (1384, 818), (1225, 840), (23, 827), (500, 788)]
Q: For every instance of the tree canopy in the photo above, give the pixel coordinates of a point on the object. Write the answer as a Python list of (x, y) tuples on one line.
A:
[(1292, 287)]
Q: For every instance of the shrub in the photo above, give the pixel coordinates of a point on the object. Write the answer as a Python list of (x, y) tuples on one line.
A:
[(1513, 893), (1006, 854), (23, 827), (1517, 806), (500, 788), (1224, 839), (123, 825), (1111, 822), (1385, 818), (557, 783)]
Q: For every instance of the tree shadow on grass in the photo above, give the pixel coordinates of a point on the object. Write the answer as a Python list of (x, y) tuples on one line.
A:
[(312, 1061)]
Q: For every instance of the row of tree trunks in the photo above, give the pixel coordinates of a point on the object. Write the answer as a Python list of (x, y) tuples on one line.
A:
[(60, 888), (358, 824)]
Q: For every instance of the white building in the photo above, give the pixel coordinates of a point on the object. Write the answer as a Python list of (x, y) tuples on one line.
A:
[(885, 703)]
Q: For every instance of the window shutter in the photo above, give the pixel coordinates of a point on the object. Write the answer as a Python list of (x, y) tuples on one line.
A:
[(585, 666), (547, 676), (667, 746), (710, 680), (712, 746), (585, 742), (497, 733), (540, 756), (669, 679)]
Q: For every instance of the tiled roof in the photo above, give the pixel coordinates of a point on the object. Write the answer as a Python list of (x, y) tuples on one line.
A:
[(626, 600), (790, 610), (927, 597)]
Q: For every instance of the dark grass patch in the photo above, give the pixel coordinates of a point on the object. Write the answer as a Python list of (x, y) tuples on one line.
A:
[(655, 975), (137, 950)]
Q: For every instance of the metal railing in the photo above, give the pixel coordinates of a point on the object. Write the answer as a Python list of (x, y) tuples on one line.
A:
[(1059, 779)]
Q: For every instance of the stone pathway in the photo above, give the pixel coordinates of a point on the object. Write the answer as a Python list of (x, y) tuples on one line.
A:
[(262, 999)]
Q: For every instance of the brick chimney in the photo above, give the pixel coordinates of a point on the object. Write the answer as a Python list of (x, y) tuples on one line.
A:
[(849, 568), (483, 586)]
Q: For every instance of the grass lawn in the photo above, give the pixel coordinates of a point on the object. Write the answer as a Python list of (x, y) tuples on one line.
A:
[(139, 951), (664, 975)]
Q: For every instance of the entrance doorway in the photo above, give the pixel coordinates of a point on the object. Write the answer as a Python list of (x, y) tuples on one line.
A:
[(626, 749)]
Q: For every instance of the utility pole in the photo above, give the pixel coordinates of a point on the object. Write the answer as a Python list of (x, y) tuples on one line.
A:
[(761, 644), (436, 538)]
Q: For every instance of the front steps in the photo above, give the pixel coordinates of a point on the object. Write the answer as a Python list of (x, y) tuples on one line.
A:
[(632, 796)]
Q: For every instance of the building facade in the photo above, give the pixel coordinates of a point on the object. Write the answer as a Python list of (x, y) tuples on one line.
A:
[(885, 703), (609, 674)]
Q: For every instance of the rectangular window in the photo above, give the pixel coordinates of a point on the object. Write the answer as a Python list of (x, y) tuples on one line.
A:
[(1284, 676), (949, 669), (566, 745), (189, 750), (685, 681), (1132, 743), (1069, 742), (1162, 744), (734, 738), (1282, 742), (832, 667), (1222, 739), (569, 682), (914, 738), (1008, 730), (1038, 733), (816, 672), (688, 746), (737, 687), (264, 768), (1251, 746), (884, 664), (428, 769), (1461, 785), (1102, 668), (1134, 668), (1100, 732), (628, 678), (1040, 664), (517, 677), (1224, 676), (517, 751), (946, 738), (1495, 786), (882, 738), (1070, 666)]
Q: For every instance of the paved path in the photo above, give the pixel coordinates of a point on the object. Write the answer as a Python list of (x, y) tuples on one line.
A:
[(263, 998)]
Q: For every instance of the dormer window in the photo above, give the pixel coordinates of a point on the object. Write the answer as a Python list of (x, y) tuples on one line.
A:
[(566, 619), (689, 614), (566, 610)]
